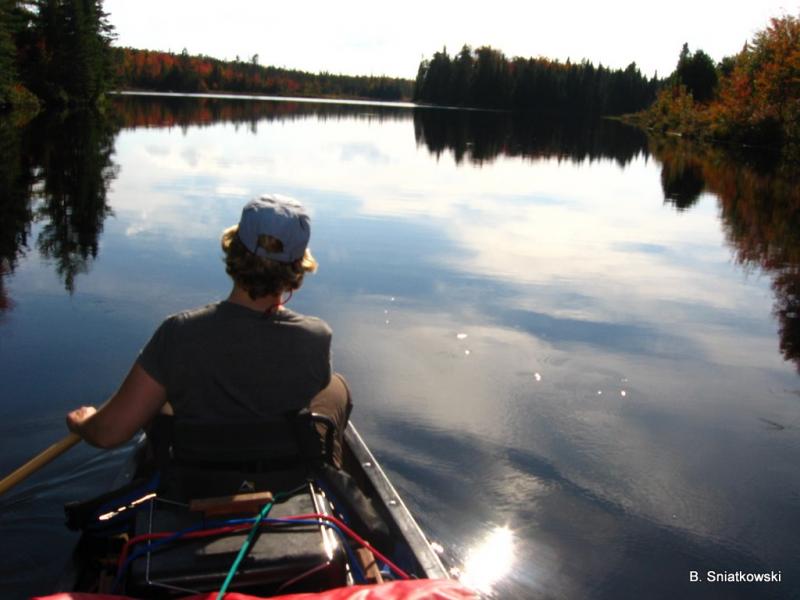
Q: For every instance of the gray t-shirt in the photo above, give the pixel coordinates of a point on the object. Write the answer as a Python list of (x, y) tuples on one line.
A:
[(226, 362)]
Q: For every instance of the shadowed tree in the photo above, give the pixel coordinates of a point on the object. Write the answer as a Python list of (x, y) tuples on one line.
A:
[(435, 77), (462, 74), (64, 50), (8, 51), (698, 73), (492, 85)]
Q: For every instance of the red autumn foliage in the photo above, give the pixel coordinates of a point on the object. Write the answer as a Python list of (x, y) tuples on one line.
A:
[(757, 100), (164, 71)]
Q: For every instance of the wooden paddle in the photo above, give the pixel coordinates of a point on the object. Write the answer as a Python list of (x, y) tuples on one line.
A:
[(37, 462)]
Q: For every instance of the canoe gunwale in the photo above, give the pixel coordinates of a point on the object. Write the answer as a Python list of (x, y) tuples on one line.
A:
[(429, 560)]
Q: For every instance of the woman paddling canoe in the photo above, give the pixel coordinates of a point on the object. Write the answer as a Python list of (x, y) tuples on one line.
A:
[(226, 370), (242, 359)]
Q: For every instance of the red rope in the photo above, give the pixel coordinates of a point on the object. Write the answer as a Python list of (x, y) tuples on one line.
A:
[(302, 576), (234, 528), (397, 570), (146, 537)]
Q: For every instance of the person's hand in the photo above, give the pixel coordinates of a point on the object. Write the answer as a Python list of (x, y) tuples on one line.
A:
[(77, 417)]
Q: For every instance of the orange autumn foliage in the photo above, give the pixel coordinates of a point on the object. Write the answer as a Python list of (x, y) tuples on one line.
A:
[(757, 101), (167, 72)]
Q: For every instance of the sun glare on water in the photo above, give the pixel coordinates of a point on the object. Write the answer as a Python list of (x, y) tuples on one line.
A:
[(489, 561)]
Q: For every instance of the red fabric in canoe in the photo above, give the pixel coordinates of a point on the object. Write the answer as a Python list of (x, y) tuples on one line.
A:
[(413, 589)]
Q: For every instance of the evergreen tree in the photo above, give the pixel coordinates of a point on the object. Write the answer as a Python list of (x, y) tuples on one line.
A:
[(436, 84), (492, 82), (8, 51), (66, 50), (419, 82), (698, 73), (462, 74)]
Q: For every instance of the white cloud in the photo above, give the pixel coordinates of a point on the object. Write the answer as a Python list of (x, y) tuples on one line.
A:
[(358, 37)]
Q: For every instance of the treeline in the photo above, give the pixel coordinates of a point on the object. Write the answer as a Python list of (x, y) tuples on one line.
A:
[(750, 98), (485, 78), (165, 71), (56, 51), (59, 52)]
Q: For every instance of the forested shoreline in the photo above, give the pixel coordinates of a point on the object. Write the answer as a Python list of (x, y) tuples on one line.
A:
[(168, 72), (486, 78), (59, 53), (752, 98)]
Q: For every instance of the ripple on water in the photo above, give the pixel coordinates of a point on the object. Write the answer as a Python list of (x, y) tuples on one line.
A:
[(34, 542)]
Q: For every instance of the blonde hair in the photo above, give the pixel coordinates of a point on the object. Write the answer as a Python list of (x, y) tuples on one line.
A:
[(259, 276)]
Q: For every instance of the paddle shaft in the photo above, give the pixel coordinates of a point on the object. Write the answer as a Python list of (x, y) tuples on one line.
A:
[(37, 462)]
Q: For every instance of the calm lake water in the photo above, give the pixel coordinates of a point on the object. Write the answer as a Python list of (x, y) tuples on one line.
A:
[(574, 350)]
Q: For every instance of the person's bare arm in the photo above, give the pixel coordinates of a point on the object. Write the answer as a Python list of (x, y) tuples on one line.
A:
[(139, 399)]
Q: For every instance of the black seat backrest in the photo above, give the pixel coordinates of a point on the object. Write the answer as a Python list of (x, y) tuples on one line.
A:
[(290, 437), (215, 458), (235, 442)]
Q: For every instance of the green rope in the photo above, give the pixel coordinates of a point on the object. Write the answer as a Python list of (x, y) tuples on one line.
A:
[(251, 536), (243, 550)]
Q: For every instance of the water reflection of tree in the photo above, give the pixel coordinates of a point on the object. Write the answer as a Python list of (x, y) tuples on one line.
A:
[(15, 206), (76, 172), (184, 111), (55, 170), (787, 309), (481, 136), (681, 174), (760, 208)]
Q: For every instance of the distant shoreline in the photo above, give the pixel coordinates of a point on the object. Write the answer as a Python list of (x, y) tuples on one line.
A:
[(264, 97), (305, 99)]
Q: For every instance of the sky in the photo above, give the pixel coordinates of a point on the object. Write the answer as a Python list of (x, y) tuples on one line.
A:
[(358, 37)]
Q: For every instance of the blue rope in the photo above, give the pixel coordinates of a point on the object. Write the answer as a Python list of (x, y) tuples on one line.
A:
[(159, 544)]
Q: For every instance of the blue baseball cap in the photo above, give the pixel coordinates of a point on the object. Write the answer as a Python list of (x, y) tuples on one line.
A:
[(283, 218)]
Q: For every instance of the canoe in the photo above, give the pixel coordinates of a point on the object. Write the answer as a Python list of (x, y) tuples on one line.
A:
[(335, 535)]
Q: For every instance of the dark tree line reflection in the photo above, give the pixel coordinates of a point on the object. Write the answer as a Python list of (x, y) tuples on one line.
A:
[(192, 111), (477, 136), (54, 171), (481, 136), (759, 201)]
